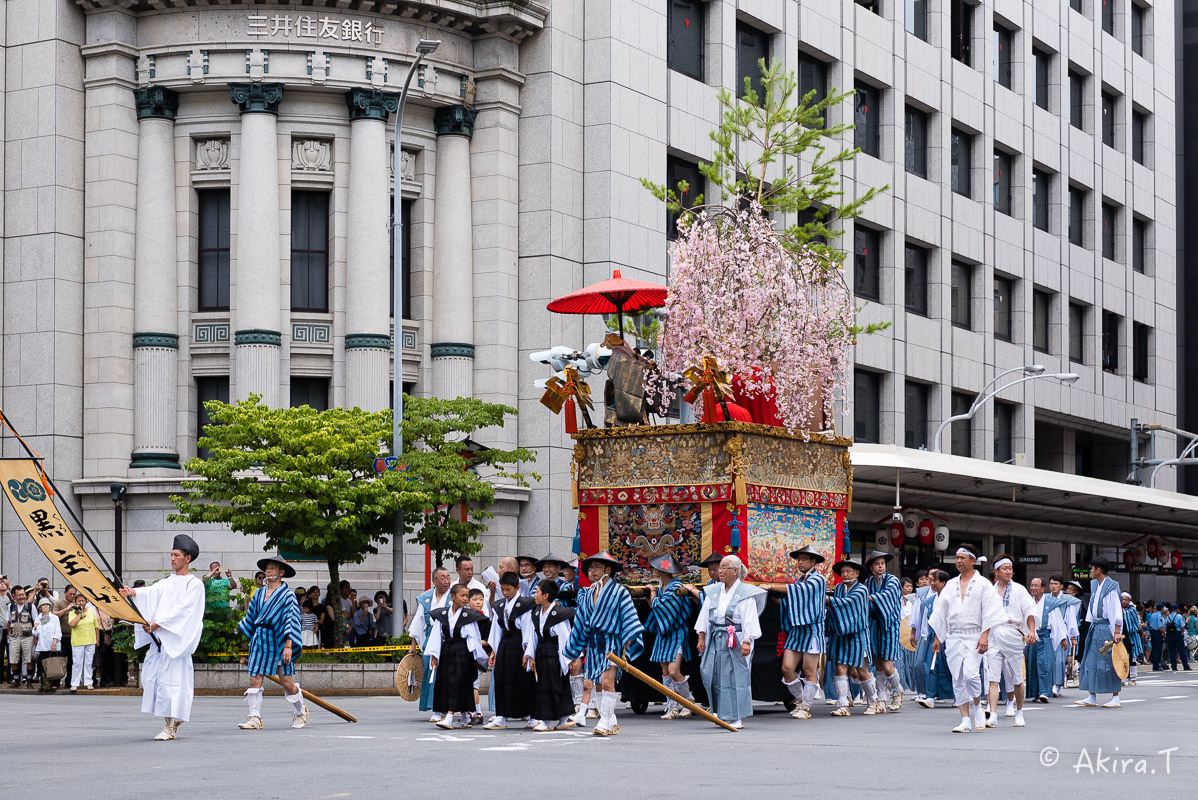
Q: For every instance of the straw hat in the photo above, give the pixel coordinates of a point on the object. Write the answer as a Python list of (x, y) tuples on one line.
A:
[(408, 677)]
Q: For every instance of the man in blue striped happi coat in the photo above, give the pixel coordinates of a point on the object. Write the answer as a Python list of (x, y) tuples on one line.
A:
[(885, 614), (669, 621), (803, 609), (606, 622), (848, 619), (272, 624)]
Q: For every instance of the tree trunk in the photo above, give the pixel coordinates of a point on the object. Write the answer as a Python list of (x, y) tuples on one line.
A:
[(335, 582)]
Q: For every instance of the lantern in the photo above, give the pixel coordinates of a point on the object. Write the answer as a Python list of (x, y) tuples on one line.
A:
[(940, 538), (911, 524), (1153, 548), (882, 538), (897, 534), (1175, 562), (927, 532), (1129, 558)]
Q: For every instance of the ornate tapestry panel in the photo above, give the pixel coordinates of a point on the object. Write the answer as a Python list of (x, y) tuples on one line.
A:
[(774, 531)]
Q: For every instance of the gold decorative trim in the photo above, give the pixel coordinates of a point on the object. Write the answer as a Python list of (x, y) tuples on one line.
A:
[(716, 427), (705, 510), (603, 541)]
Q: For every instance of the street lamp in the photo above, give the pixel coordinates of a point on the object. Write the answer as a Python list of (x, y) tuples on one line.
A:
[(423, 48), (1030, 373)]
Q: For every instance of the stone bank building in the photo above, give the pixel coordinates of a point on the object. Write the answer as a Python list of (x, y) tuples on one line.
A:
[(197, 200)]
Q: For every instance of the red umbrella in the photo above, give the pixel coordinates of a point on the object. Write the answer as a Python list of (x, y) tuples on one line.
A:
[(616, 295)]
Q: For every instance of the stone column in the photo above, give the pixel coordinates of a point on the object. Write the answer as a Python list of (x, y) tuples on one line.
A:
[(155, 321), (256, 287), (452, 340), (367, 306)]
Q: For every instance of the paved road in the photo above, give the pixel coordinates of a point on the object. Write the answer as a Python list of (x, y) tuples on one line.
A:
[(395, 752)]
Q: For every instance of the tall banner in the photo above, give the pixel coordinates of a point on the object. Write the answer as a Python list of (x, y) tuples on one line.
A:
[(24, 489)]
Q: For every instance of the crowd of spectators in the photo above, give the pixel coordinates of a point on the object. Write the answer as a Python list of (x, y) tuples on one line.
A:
[(1170, 634)]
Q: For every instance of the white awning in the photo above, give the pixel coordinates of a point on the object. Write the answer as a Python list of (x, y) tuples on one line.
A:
[(1003, 499)]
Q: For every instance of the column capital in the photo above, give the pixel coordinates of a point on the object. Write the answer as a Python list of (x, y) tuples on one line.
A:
[(371, 104), (451, 350), (257, 98), (454, 121), (258, 336), (168, 341), (156, 102)]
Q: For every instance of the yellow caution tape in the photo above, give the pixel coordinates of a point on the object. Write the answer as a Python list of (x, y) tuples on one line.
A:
[(399, 648)]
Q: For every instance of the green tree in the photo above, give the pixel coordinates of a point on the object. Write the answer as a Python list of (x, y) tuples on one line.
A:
[(305, 479)]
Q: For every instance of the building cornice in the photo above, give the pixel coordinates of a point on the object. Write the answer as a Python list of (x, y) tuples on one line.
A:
[(510, 19)]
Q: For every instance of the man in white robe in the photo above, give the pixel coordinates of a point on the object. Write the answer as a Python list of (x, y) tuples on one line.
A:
[(1005, 661), (964, 613), (730, 617), (174, 612)]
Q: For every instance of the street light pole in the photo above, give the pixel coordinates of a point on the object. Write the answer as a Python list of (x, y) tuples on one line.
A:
[(423, 48), (1031, 373)]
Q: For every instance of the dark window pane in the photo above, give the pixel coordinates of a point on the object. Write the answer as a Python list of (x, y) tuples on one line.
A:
[(1138, 15), (1040, 189), (208, 388), (1043, 77), (866, 263), (405, 265), (1002, 182), (1077, 203), (1139, 136), (867, 416), (962, 290), (1004, 429), (1110, 216), (916, 279), (311, 392), (1041, 308), (868, 134), (685, 53), (962, 163), (915, 413), (752, 47), (917, 18), (1002, 308), (812, 77), (1077, 332), (1077, 87), (1110, 341), (917, 142), (1139, 356), (309, 251), (1108, 16), (678, 170), (1076, 5), (962, 430), (1004, 43), (214, 250), (1108, 119), (1139, 245), (961, 31)]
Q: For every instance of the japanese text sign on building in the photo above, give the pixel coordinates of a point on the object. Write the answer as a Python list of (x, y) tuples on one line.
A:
[(23, 486), (313, 26)]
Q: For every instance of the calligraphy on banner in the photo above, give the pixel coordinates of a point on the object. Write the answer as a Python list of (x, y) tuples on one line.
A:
[(24, 489), (310, 26)]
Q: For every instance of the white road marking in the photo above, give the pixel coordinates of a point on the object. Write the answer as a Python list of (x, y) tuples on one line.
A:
[(1138, 700), (354, 737), (1174, 696)]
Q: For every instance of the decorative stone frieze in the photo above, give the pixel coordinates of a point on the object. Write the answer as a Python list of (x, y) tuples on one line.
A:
[(311, 155)]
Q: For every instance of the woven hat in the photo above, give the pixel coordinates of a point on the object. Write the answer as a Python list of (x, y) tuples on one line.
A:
[(848, 562), (553, 559), (408, 677), (874, 555), (288, 570), (1120, 660), (808, 550), (604, 557), (714, 558), (905, 638), (666, 563)]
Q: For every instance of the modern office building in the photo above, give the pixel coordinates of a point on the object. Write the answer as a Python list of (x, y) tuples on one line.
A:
[(196, 205)]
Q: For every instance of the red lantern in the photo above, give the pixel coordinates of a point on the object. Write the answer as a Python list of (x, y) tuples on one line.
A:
[(1129, 558), (927, 532), (896, 534), (1176, 561), (1153, 548)]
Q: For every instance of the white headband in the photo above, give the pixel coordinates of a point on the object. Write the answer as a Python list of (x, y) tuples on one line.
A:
[(1002, 561), (1125, 594), (961, 551)]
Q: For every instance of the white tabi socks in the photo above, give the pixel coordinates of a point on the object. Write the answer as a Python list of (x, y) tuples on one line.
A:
[(576, 689), (683, 687), (607, 711), (795, 687), (842, 690), (870, 687), (894, 684), (296, 700), (809, 690), (253, 698)]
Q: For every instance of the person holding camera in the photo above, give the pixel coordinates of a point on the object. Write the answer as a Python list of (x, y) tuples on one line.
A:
[(5, 605), (83, 623), (223, 585), (20, 637), (47, 633)]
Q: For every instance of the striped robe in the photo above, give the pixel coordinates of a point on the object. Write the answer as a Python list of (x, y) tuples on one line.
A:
[(1131, 633), (267, 623), (803, 612), (885, 613), (669, 622), (849, 624), (608, 624)]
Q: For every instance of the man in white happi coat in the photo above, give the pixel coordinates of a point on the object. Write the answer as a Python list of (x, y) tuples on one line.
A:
[(174, 612), (965, 612), (1004, 663)]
